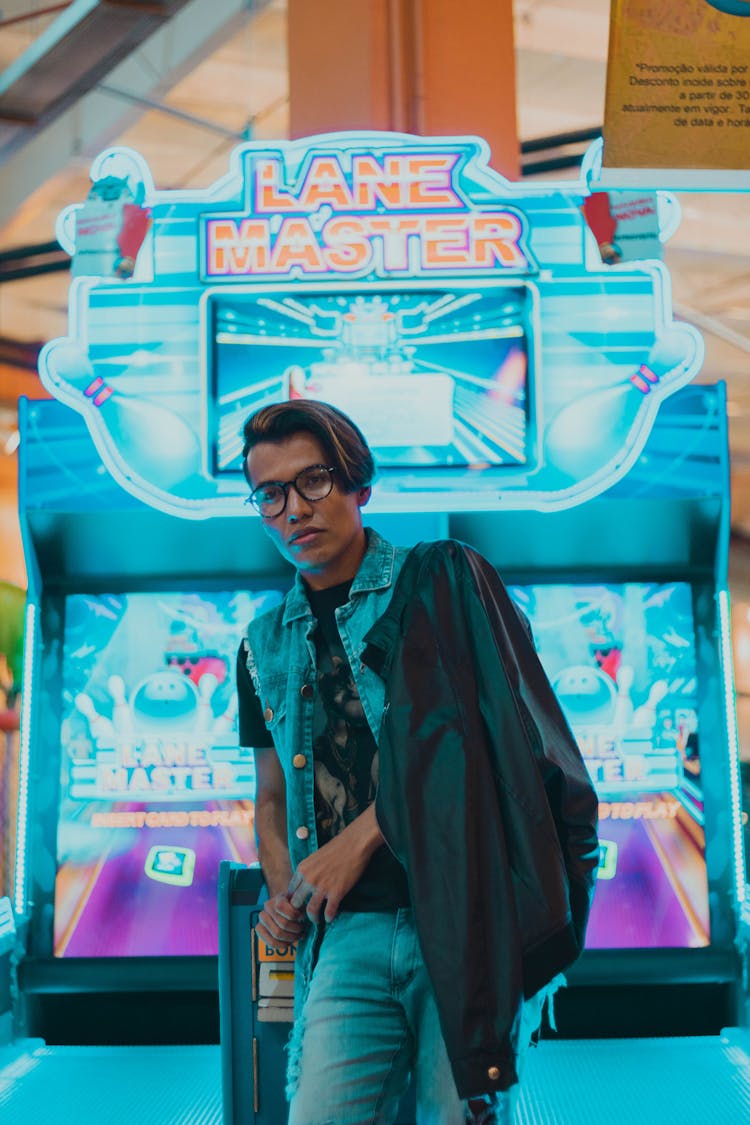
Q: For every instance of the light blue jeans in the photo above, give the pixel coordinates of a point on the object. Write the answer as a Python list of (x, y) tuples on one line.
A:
[(369, 1022)]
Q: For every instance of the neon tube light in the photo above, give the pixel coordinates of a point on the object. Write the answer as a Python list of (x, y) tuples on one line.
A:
[(24, 763), (732, 746)]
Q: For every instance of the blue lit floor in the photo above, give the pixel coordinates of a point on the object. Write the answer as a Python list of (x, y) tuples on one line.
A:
[(691, 1081)]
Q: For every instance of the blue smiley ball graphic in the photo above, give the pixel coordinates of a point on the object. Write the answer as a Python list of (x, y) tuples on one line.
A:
[(164, 700), (586, 695)]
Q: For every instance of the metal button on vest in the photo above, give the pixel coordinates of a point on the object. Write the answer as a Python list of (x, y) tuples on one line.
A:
[(306, 691), (302, 832), (299, 761), (268, 714), (493, 1073)]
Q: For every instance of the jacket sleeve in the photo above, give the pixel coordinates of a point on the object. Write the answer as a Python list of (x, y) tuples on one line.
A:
[(437, 807), (570, 792), (469, 776)]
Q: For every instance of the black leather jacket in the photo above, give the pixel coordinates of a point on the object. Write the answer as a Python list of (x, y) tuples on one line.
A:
[(484, 798)]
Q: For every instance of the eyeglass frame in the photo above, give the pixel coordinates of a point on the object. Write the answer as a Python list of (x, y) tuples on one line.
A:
[(285, 485)]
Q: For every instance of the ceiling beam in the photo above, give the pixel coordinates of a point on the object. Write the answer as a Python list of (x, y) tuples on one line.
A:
[(70, 56), (96, 118), (32, 261)]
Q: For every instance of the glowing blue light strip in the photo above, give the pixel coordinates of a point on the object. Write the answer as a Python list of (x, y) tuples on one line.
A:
[(745, 913), (732, 745), (24, 763)]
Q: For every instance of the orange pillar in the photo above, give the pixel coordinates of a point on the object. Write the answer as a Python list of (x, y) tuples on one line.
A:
[(431, 67)]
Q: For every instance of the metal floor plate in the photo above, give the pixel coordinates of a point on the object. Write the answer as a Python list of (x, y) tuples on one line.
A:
[(690, 1081), (43, 1085)]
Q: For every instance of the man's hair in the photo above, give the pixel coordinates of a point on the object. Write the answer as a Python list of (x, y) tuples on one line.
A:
[(343, 442)]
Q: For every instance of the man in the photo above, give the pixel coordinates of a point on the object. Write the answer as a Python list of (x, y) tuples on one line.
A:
[(367, 1014)]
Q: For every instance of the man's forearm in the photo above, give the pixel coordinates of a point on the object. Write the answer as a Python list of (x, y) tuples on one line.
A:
[(364, 832), (273, 850)]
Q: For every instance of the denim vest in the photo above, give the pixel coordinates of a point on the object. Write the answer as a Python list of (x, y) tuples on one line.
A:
[(281, 663)]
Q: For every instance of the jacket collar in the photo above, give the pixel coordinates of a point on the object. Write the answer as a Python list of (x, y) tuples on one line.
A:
[(375, 573), (382, 639)]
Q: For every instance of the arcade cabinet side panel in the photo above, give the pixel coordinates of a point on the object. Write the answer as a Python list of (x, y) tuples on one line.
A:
[(254, 1027)]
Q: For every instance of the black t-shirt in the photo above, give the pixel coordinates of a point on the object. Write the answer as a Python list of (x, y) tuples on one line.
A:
[(345, 753)]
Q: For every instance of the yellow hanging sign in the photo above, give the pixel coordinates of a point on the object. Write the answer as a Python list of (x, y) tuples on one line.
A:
[(678, 85)]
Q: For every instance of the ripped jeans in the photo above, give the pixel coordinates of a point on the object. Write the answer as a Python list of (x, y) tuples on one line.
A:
[(369, 1022)]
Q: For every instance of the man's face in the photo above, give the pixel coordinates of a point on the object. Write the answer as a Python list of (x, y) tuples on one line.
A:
[(323, 539)]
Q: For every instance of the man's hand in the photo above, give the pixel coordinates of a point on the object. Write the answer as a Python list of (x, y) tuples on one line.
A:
[(331, 872), (280, 923)]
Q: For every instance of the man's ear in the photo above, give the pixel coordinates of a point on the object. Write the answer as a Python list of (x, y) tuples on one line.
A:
[(363, 495)]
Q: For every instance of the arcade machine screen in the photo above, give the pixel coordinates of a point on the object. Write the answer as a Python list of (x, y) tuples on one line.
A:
[(155, 790), (435, 378), (622, 661)]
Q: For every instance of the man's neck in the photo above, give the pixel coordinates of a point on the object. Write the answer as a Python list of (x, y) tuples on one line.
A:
[(346, 570), (313, 590)]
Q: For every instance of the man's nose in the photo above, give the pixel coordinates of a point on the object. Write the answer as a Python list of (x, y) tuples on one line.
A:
[(296, 505)]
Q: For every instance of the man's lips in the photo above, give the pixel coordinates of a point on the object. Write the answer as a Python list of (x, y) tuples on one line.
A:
[(302, 537)]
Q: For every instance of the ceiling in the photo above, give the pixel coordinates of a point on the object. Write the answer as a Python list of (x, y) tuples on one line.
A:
[(212, 74)]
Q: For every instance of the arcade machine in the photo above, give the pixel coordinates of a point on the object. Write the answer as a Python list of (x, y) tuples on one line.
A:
[(520, 394), (133, 787)]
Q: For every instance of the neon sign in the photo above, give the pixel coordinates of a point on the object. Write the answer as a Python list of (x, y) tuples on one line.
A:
[(466, 322), (401, 214)]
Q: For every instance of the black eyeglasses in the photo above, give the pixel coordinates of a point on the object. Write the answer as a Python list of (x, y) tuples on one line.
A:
[(313, 483)]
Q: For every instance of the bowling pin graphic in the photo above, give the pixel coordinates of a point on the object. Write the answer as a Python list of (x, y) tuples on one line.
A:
[(623, 705), (645, 715), (122, 718), (207, 685), (597, 211), (102, 729), (225, 723)]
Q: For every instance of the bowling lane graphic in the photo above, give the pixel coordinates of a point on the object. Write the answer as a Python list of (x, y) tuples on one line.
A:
[(111, 906), (655, 897)]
